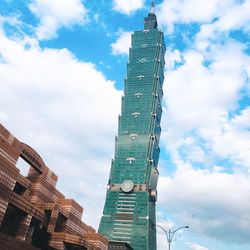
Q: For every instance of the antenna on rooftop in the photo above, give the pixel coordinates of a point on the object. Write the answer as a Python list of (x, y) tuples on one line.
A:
[(153, 7)]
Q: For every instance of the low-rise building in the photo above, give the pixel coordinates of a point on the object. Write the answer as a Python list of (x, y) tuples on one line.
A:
[(33, 213)]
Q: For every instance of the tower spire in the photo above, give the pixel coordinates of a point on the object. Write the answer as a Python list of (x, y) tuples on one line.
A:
[(153, 7), (150, 22)]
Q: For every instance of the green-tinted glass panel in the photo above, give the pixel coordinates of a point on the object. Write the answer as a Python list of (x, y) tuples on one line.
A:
[(129, 211)]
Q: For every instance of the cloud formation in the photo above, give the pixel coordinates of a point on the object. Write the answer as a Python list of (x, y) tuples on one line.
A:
[(122, 44), (55, 14), (215, 90), (218, 12), (127, 7), (206, 119), (67, 110), (195, 246), (213, 201)]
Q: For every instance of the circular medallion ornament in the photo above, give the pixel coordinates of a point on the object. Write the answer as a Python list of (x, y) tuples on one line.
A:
[(127, 186)]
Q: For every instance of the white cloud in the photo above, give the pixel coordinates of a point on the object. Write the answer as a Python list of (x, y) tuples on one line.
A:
[(201, 97), (241, 121), (208, 201), (205, 125), (228, 140), (173, 11), (127, 6), (121, 46), (172, 58), (56, 14), (195, 246), (240, 14), (13, 20), (191, 151), (67, 111), (230, 14), (231, 141)]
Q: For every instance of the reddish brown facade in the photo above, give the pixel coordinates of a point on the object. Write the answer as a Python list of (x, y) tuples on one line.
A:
[(33, 213)]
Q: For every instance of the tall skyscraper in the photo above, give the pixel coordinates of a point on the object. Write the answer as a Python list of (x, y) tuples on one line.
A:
[(129, 211)]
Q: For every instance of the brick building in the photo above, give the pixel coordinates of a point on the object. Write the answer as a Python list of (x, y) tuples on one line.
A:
[(33, 213)]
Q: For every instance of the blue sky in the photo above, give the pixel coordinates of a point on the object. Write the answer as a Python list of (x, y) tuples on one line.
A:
[(62, 67)]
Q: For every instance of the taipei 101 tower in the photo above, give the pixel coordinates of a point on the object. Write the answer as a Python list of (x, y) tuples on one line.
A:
[(129, 211)]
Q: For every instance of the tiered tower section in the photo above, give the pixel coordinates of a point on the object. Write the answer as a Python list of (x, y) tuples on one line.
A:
[(129, 212)]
